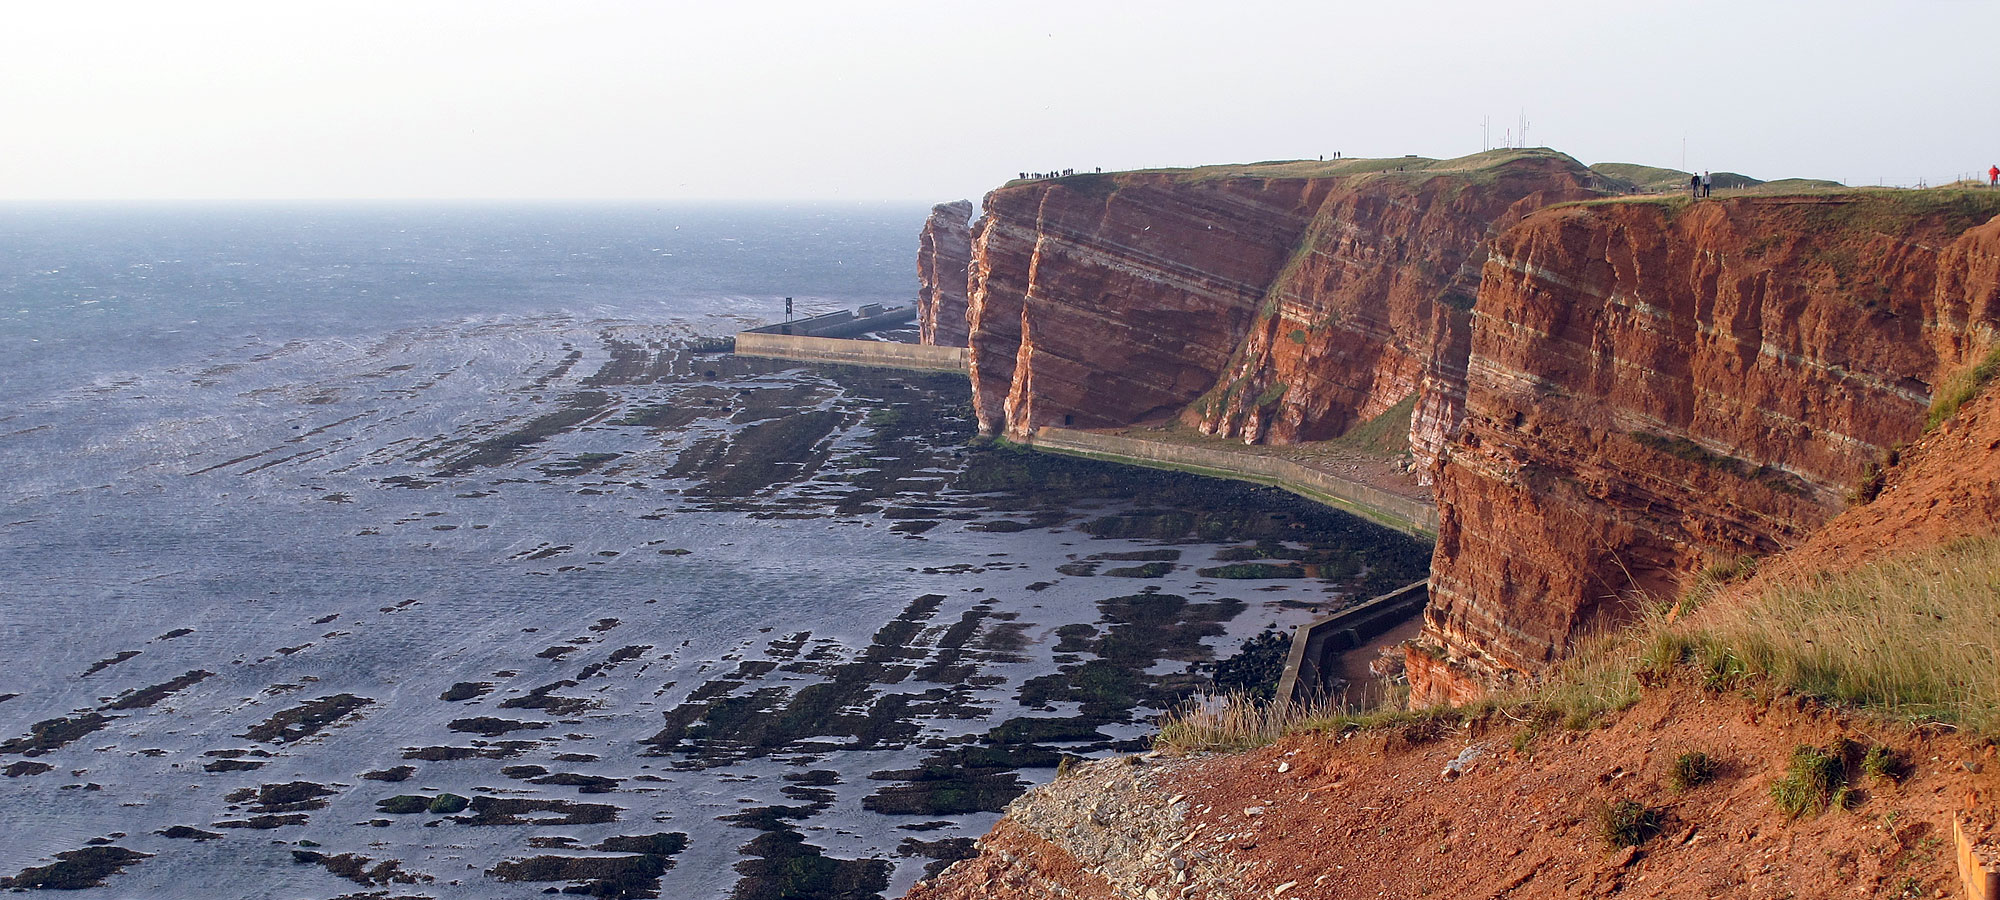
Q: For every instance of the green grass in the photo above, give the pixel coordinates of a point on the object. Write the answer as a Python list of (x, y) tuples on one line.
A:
[(1682, 448), (1911, 637), (1798, 185), (1387, 435), (1960, 387), (1815, 781), (1653, 178), (1691, 770), (1477, 165), (1881, 762)]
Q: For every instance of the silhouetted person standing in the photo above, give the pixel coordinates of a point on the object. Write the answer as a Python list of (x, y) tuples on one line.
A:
[(1707, 184), (1694, 186)]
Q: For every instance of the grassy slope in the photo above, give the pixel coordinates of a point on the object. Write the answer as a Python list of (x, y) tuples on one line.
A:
[(1654, 178)]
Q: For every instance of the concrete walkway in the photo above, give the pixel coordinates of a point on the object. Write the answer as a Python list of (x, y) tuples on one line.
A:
[(1409, 514)]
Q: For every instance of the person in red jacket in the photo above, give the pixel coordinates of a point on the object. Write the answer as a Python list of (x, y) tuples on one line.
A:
[(1993, 176)]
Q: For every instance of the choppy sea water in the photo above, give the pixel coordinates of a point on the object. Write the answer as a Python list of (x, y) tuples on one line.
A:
[(308, 510)]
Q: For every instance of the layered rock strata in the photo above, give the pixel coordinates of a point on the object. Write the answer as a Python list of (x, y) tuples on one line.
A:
[(1374, 305), (1291, 300), (1103, 300), (1656, 387), (944, 253), (1611, 395)]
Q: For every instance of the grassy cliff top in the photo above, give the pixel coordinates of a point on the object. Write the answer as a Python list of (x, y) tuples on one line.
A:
[(1886, 209), (1635, 177), (1310, 168), (1618, 177)]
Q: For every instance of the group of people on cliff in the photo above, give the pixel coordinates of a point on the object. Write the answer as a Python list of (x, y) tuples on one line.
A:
[(1064, 173), (1700, 186)]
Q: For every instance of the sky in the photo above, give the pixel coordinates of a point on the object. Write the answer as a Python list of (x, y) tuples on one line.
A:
[(904, 102)]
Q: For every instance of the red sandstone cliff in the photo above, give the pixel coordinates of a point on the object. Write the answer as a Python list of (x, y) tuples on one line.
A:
[(1291, 300), (1653, 387), (1397, 810), (1638, 390), (1108, 299), (1374, 305), (944, 254)]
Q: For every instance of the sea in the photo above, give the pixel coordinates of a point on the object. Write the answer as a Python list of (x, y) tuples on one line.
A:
[(415, 551)]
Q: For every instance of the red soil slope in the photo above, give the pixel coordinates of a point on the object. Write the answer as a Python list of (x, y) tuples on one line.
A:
[(1374, 815)]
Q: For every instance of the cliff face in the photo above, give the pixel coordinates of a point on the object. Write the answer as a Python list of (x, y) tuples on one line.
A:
[(1610, 396), (1652, 388), (943, 255), (1290, 302), (1397, 810), (1104, 300), (1374, 305)]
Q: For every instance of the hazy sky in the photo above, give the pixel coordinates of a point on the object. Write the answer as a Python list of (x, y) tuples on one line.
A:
[(941, 100)]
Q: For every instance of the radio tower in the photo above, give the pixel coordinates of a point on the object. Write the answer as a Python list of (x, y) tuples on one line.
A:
[(1485, 133), (1524, 128)]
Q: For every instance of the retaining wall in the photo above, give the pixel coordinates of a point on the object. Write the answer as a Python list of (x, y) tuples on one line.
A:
[(1316, 646), (1402, 513), (853, 353)]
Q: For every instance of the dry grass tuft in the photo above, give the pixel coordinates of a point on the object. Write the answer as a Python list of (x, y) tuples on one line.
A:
[(1916, 636), (1237, 721), (1626, 823)]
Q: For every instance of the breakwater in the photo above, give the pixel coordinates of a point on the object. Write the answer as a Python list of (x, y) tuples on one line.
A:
[(882, 354), (844, 323)]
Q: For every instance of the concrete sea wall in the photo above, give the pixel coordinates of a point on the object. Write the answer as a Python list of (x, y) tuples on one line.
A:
[(853, 353), (1402, 513), (1317, 645)]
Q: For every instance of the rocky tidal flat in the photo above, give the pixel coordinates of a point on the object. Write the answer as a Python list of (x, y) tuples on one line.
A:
[(504, 607)]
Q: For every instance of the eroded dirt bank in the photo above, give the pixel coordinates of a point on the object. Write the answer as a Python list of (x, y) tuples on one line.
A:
[(1380, 814)]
